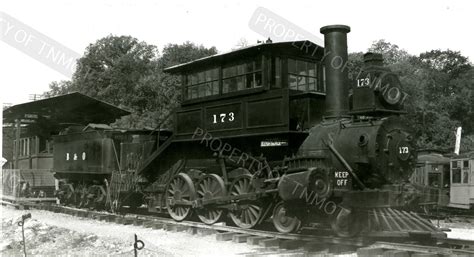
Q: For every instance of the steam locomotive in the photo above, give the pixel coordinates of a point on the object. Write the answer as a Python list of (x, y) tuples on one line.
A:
[(266, 132)]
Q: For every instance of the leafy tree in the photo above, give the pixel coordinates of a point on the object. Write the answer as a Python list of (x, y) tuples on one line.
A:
[(128, 73), (391, 52), (355, 62), (174, 54), (450, 85), (163, 89), (59, 88), (112, 68), (439, 85), (448, 62), (440, 98), (462, 103)]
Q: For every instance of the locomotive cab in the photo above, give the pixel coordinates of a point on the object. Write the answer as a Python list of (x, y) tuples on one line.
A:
[(271, 93)]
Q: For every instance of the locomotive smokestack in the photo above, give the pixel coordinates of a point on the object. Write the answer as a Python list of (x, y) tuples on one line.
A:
[(335, 47)]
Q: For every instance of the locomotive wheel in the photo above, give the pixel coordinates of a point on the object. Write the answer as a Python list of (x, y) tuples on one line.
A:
[(249, 212), (87, 202), (67, 195), (90, 196), (209, 187), (283, 222), (322, 185), (345, 223), (82, 193), (180, 188), (99, 198)]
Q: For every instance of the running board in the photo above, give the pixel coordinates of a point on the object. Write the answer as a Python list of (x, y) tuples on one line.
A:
[(388, 222)]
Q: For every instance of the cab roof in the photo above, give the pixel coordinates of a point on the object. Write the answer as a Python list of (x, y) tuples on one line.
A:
[(302, 48)]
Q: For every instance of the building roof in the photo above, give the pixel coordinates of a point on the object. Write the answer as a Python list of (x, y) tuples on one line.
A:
[(303, 47), (465, 155), (69, 108), (434, 158)]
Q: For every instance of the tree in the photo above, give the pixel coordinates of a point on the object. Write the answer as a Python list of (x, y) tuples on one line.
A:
[(167, 94), (128, 73), (59, 88), (392, 53), (461, 101), (156, 93), (174, 54), (448, 62), (355, 61), (112, 68), (241, 44), (439, 85), (450, 85)]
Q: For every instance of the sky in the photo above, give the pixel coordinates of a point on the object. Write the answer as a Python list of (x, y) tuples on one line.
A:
[(416, 26)]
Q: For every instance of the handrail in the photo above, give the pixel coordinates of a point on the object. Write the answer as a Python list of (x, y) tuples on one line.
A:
[(159, 127), (159, 147), (329, 143)]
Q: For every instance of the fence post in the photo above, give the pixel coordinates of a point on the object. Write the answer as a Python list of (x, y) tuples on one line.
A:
[(16, 148), (21, 223), (137, 245)]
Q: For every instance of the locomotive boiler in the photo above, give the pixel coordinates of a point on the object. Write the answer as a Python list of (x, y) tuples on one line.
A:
[(271, 132)]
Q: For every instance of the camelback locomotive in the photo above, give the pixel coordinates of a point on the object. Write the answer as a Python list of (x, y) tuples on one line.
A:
[(267, 132)]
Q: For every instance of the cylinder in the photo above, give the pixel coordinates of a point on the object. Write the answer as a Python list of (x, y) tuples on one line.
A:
[(294, 186), (335, 63)]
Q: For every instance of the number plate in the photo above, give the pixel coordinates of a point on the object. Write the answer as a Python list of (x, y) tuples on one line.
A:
[(224, 117)]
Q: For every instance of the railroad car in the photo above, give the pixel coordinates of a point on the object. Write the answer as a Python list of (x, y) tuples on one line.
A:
[(432, 178), (32, 177), (462, 181), (270, 132), (29, 147), (27, 185), (444, 181)]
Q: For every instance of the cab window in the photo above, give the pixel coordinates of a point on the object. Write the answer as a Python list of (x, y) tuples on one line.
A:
[(202, 84), (242, 76), (303, 76)]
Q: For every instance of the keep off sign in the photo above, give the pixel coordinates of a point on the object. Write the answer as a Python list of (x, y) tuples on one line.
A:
[(342, 179)]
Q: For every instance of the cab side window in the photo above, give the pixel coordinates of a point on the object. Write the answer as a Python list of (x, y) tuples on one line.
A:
[(303, 76), (242, 76), (201, 84)]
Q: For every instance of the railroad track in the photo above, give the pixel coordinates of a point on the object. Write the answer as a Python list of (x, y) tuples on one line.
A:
[(273, 243), (449, 214)]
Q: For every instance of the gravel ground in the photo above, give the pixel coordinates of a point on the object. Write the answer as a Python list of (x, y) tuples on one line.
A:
[(55, 234), (48, 234), (459, 230)]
